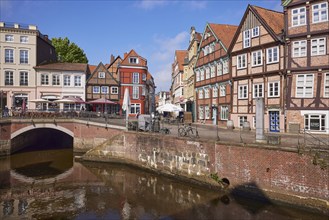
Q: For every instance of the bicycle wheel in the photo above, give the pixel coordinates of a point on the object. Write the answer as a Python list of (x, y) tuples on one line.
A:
[(181, 132), (193, 133)]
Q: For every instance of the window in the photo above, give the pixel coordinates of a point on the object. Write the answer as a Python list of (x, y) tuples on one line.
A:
[(254, 122), (135, 92), (9, 78), (207, 112), (242, 119), (255, 32), (224, 113), (133, 60), (241, 60), (23, 56), (207, 72), (202, 74), (24, 78), (77, 80), (315, 122), (9, 38), (56, 81), (257, 58), (225, 66), (135, 108), (298, 16), (44, 79), (243, 92), (219, 69), (258, 90), (222, 90), (144, 91), (318, 46), (24, 39), (114, 90), (246, 38), (320, 12), (304, 86), (272, 55), (201, 94), (104, 89), (67, 80), (136, 78), (273, 89), (326, 85), (144, 77), (201, 112), (96, 89), (9, 56), (206, 93), (214, 92), (212, 71), (299, 48), (101, 75), (197, 73)]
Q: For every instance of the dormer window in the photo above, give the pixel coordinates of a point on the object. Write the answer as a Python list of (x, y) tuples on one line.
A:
[(133, 60), (101, 75)]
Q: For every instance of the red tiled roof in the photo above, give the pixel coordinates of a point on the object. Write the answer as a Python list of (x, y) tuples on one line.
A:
[(180, 56), (64, 66), (224, 32), (132, 53), (92, 68), (274, 19)]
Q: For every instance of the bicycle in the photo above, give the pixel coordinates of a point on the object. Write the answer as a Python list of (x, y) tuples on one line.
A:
[(188, 130)]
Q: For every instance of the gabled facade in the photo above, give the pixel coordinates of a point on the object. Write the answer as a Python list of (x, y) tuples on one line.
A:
[(177, 78), (102, 84), (133, 72), (257, 57), (307, 58), (188, 75), (21, 48), (212, 74), (59, 81)]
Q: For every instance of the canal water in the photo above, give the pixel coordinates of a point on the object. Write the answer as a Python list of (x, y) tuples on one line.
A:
[(51, 185)]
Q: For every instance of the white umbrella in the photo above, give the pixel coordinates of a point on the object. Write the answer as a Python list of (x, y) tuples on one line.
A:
[(169, 108), (39, 100), (126, 105)]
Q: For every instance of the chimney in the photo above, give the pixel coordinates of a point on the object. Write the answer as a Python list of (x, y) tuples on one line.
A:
[(32, 27), (112, 58), (125, 55), (16, 25)]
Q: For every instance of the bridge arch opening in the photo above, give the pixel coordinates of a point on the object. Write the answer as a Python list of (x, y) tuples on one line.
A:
[(41, 138)]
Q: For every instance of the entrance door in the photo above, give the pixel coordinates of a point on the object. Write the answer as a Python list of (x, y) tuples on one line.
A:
[(274, 121), (214, 116)]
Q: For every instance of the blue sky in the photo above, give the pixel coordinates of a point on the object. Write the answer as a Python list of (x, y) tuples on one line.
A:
[(155, 29)]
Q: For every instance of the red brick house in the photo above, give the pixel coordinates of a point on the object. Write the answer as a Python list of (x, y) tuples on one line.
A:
[(257, 57), (212, 74), (133, 74), (307, 58)]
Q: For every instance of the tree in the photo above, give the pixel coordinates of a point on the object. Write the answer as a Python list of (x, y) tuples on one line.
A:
[(68, 51)]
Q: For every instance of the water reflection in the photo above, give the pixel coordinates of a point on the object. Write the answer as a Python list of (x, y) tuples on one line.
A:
[(51, 185)]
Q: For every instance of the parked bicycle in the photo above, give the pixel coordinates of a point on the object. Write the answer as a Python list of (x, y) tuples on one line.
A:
[(188, 130)]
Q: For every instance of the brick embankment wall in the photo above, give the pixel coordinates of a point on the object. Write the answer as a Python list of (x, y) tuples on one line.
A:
[(280, 175)]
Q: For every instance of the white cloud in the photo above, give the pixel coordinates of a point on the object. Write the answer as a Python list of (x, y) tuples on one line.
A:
[(150, 4), (162, 59)]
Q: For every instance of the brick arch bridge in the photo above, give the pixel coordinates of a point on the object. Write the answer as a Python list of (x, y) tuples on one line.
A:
[(85, 134)]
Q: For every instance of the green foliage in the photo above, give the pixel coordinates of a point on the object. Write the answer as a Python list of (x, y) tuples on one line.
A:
[(68, 51), (215, 177)]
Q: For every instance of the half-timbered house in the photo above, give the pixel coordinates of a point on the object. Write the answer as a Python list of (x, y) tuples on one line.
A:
[(257, 55), (307, 35), (212, 74)]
